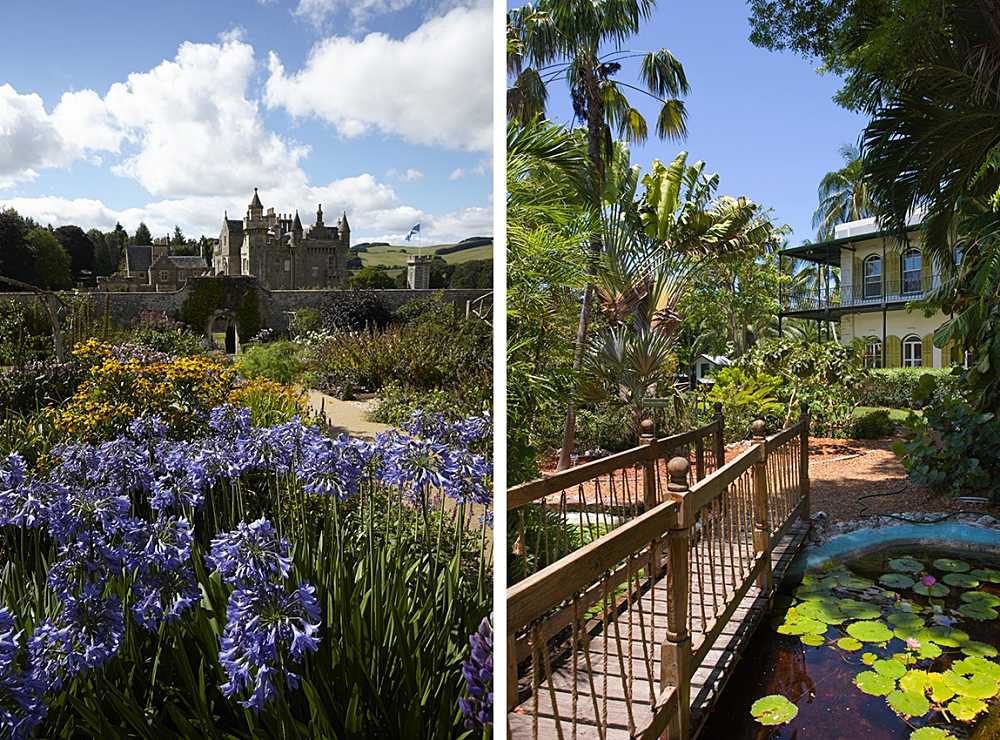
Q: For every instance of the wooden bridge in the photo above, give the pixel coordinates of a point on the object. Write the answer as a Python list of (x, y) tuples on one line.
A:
[(640, 577)]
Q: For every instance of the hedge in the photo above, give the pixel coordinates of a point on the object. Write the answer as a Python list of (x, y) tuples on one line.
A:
[(895, 387)]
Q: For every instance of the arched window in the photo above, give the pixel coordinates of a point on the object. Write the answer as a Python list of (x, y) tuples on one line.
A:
[(911, 271), (913, 350), (873, 352), (873, 277)]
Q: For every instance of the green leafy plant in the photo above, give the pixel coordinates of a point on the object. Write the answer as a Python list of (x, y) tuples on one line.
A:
[(277, 361), (746, 398)]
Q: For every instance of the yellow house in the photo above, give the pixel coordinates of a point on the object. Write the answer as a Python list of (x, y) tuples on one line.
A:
[(878, 281)]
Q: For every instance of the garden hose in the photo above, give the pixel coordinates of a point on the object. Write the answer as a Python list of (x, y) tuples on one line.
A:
[(906, 484)]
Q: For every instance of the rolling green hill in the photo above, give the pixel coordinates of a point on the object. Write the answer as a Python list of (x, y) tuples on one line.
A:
[(396, 256)]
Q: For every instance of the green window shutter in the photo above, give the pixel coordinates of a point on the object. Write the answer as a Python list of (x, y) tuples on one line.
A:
[(957, 355), (927, 356), (926, 270), (893, 351), (947, 356), (859, 278), (892, 272)]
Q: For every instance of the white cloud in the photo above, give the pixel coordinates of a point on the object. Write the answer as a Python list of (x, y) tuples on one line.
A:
[(84, 122), (457, 174), (233, 34), (28, 138), (374, 210), (433, 87), (317, 11), (410, 175)]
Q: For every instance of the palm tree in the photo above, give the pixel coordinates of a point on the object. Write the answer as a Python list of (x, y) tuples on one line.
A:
[(843, 195), (582, 41), (934, 143)]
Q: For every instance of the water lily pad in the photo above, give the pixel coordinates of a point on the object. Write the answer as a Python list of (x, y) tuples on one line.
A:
[(987, 574), (978, 612), (944, 636), (849, 644), (866, 658), (900, 618), (822, 610), (906, 565), (976, 667), (859, 609), (890, 668), (931, 733), (874, 683), (976, 686), (773, 710), (980, 597), (928, 650), (796, 625), (896, 580), (979, 649), (936, 590), (812, 640), (915, 680), (940, 690), (869, 632), (966, 709), (960, 580), (952, 565), (909, 703), (856, 583)]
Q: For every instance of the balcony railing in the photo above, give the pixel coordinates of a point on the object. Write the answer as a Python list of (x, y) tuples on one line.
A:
[(847, 296)]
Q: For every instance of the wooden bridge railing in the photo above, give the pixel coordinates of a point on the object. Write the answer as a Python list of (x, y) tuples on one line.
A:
[(606, 639), (556, 515)]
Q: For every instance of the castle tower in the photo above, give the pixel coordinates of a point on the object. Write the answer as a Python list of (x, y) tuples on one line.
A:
[(319, 214), (297, 229), (255, 212), (345, 229)]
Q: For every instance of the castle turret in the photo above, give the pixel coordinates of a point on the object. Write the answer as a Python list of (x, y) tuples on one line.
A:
[(297, 226), (255, 212), (345, 229), (319, 214)]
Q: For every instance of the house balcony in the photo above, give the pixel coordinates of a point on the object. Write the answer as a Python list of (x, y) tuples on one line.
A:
[(856, 298)]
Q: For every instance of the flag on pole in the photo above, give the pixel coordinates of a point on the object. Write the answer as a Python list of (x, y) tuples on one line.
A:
[(414, 230)]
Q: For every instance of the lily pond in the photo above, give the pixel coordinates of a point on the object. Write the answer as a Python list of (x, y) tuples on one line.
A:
[(891, 645)]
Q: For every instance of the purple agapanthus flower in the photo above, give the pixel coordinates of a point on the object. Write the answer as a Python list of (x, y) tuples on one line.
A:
[(478, 674), (23, 501), (267, 630), (413, 464), (21, 706), (251, 553)]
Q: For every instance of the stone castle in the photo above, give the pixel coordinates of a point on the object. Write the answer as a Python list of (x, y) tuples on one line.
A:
[(275, 249)]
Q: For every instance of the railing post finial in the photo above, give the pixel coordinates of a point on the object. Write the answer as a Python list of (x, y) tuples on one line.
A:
[(678, 467), (718, 409), (757, 429), (647, 431)]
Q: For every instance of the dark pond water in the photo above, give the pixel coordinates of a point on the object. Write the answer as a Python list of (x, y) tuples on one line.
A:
[(954, 635)]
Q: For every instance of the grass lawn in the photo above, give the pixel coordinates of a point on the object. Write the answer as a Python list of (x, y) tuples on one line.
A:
[(396, 256), (894, 414)]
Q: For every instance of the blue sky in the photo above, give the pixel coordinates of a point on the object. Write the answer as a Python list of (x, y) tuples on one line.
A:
[(764, 121), (114, 111)]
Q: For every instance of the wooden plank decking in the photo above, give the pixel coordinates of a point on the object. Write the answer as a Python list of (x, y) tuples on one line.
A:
[(619, 682)]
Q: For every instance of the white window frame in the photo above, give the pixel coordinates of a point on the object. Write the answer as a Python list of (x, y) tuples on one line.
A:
[(873, 352), (913, 351), (915, 284), (873, 280)]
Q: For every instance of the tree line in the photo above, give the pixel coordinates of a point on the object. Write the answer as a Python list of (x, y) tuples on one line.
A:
[(63, 257)]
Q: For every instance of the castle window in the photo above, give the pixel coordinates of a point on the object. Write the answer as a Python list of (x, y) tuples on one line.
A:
[(315, 271), (873, 352), (288, 265), (873, 277), (913, 350), (164, 276), (911, 271)]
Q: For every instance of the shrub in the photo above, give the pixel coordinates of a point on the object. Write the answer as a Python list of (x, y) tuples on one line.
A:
[(277, 361), (354, 311), (954, 448), (872, 425), (396, 403), (270, 403), (33, 386), (898, 387), (305, 321), (25, 333), (746, 398), (178, 341)]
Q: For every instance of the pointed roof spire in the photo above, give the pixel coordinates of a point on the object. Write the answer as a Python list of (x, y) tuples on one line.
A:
[(255, 203), (297, 225)]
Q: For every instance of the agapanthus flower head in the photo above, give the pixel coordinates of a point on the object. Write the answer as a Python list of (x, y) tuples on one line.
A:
[(332, 467), (21, 706), (415, 464), (229, 421), (477, 670), (87, 560), (162, 596), (148, 428), (251, 553), (23, 501), (267, 630), (12, 471), (163, 544)]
